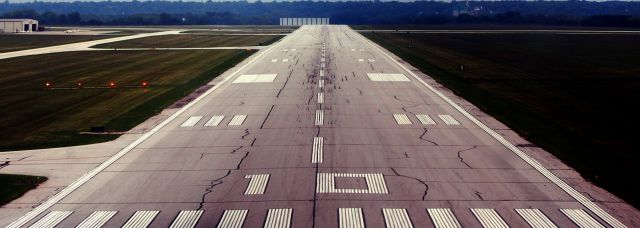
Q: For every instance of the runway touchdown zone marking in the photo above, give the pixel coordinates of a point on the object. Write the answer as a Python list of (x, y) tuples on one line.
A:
[(192, 121), (396, 218), (97, 219), (257, 184), (443, 218), (141, 219), (402, 119), (326, 183), (351, 218), (187, 219), (237, 120)]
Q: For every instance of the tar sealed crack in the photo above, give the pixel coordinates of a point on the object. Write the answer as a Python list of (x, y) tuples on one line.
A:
[(426, 186), (423, 139), (479, 194), (209, 189), (462, 159)]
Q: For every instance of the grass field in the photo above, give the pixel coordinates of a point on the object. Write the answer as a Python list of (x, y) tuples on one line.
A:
[(14, 186), (571, 94), (34, 117), (9, 43), (192, 41)]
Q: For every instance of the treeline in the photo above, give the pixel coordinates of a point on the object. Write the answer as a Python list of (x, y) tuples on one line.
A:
[(572, 13)]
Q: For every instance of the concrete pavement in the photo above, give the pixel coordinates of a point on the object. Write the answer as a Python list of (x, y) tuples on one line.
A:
[(325, 129)]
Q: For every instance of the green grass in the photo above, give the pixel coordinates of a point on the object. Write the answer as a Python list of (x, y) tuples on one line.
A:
[(14, 186), (9, 43), (574, 95), (34, 117), (192, 41)]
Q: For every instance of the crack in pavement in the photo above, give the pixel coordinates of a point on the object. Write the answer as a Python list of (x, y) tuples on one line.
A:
[(423, 139), (246, 133), (5, 164), (462, 159), (268, 114), (479, 194), (285, 84), (426, 190), (209, 189)]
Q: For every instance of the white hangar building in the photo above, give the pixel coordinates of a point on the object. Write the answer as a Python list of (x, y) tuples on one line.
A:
[(18, 25)]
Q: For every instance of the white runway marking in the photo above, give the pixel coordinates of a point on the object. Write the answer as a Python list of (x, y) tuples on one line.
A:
[(232, 219), (443, 218), (353, 49), (535, 164), (52, 219), (285, 60), (322, 65), (320, 83), (255, 78), (316, 151), (97, 219), (350, 218), (278, 218), (425, 119), (360, 60), (361, 49), (396, 218), (285, 50), (581, 218), (535, 218), (192, 121), (382, 77), (320, 97), (237, 120), (321, 73), (371, 60), (489, 218), (319, 117), (141, 219), (293, 49), (326, 183), (274, 60), (448, 120), (402, 119), (88, 176), (187, 219), (214, 121), (257, 184), (322, 59)]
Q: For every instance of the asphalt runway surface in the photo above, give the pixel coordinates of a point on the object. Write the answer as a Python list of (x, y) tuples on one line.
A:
[(322, 129)]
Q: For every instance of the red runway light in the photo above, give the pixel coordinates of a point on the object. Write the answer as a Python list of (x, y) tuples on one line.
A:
[(47, 84), (145, 84), (79, 84), (112, 85)]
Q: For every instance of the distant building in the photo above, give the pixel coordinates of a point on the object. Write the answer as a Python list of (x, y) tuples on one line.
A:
[(18, 25), (304, 21)]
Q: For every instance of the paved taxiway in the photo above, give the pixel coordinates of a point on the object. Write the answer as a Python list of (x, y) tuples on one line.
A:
[(323, 129)]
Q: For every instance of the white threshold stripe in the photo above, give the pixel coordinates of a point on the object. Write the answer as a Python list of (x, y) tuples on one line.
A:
[(581, 218), (51, 220), (257, 184), (396, 218), (316, 152), (350, 218), (489, 218), (237, 120), (443, 218), (86, 177), (594, 208), (425, 119), (192, 121), (232, 218), (187, 219), (448, 120), (141, 219), (320, 97), (97, 219), (402, 119), (535, 218), (214, 121), (278, 218), (319, 117)]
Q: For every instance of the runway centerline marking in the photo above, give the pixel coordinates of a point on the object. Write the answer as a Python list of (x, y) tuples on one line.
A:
[(319, 117), (320, 97), (316, 151), (534, 163)]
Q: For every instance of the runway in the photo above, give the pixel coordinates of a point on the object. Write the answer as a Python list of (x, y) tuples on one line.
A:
[(322, 129)]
